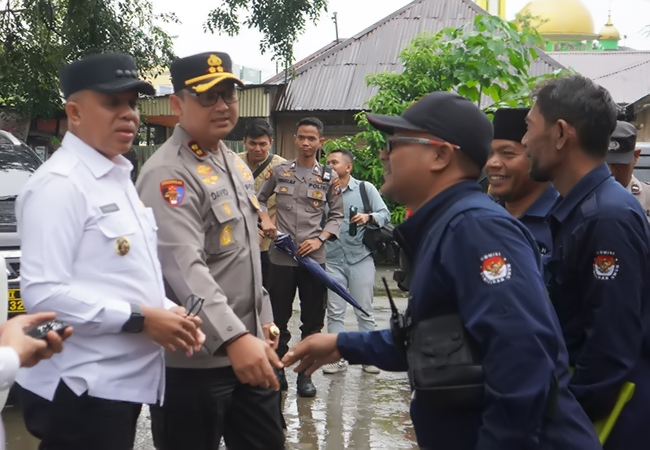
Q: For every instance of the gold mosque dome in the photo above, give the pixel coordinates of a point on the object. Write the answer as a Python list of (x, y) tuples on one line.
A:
[(609, 31), (560, 17)]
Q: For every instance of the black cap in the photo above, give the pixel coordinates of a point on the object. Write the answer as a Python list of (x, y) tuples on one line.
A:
[(447, 116), (622, 144), (201, 72), (110, 73), (510, 123)]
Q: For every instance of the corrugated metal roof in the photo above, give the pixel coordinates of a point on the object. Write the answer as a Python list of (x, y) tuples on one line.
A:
[(597, 64), (336, 80), (629, 84)]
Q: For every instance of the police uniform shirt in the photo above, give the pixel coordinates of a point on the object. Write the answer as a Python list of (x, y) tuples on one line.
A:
[(598, 281), (300, 203), (270, 203), (485, 268), (88, 251), (641, 190), (206, 210), (535, 220)]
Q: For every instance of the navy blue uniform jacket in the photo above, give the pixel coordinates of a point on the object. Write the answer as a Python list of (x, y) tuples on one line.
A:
[(484, 267), (535, 220), (598, 279)]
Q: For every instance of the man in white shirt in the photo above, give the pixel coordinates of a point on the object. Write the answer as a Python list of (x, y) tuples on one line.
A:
[(89, 254)]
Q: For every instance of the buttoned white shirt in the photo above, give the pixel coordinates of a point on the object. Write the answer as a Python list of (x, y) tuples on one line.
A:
[(71, 214)]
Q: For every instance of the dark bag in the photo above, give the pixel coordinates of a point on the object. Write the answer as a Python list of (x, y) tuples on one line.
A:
[(376, 239)]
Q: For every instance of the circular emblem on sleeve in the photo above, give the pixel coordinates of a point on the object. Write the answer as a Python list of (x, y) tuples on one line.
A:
[(605, 265), (495, 268)]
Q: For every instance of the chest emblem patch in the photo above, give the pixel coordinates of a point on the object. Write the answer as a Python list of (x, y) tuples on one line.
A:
[(318, 194), (495, 268), (226, 209), (173, 191), (286, 174), (226, 235), (122, 246), (268, 175), (202, 169), (211, 180), (605, 265), (246, 174)]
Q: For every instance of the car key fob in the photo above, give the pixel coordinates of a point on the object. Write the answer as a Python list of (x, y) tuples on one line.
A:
[(40, 330)]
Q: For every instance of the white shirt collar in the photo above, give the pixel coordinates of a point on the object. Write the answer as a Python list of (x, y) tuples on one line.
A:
[(98, 164)]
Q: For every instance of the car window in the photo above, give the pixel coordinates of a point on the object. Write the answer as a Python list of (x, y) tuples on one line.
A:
[(18, 157), (642, 168)]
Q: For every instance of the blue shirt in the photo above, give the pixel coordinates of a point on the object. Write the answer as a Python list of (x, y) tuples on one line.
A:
[(598, 279), (485, 268), (535, 219), (350, 249)]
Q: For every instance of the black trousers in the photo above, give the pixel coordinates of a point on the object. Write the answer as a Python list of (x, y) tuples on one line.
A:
[(266, 266), (202, 405), (283, 281), (72, 422)]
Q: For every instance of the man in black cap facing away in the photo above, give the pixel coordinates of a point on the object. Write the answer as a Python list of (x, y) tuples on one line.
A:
[(203, 196), (507, 171), (622, 156), (476, 289), (89, 254)]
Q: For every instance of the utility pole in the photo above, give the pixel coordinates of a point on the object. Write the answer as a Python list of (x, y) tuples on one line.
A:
[(336, 26)]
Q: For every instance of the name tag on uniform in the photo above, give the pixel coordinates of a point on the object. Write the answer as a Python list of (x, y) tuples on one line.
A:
[(109, 208)]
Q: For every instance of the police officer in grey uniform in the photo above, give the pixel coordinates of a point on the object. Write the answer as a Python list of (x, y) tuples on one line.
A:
[(304, 189), (203, 197), (621, 159)]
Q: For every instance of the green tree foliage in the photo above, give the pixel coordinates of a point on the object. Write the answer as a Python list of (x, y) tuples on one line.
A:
[(37, 37), (487, 61), (279, 21)]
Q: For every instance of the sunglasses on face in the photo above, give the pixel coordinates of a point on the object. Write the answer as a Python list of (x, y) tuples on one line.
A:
[(394, 142), (211, 98), (193, 305)]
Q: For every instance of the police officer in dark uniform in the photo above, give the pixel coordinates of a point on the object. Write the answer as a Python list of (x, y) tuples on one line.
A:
[(598, 277), (304, 190), (476, 264), (507, 171)]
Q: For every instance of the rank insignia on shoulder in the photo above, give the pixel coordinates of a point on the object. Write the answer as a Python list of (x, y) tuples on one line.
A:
[(495, 268), (240, 165), (202, 169), (173, 191), (246, 174), (336, 184), (605, 265), (122, 246), (196, 149), (211, 180)]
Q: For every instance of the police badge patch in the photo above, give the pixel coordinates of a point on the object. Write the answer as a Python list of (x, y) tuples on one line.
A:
[(605, 265), (495, 268), (173, 191)]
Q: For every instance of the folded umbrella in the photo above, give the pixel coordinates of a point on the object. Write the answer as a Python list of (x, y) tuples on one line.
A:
[(285, 244)]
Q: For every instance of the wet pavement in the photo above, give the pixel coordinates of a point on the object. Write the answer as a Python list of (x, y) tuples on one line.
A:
[(352, 410)]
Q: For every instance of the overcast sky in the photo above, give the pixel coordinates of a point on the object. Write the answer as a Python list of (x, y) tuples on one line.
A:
[(629, 16)]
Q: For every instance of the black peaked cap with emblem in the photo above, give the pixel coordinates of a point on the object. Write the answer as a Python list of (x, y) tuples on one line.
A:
[(448, 116), (109, 73), (201, 72), (510, 124), (622, 144)]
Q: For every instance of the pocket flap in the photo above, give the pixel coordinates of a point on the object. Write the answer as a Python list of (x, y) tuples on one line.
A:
[(115, 225), (284, 190), (225, 211), (316, 194)]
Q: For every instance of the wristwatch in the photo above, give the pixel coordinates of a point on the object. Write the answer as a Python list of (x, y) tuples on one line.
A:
[(135, 324), (322, 238)]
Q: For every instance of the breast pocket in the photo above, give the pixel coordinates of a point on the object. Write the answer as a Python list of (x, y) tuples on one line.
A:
[(284, 196), (228, 232), (118, 233), (316, 198)]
